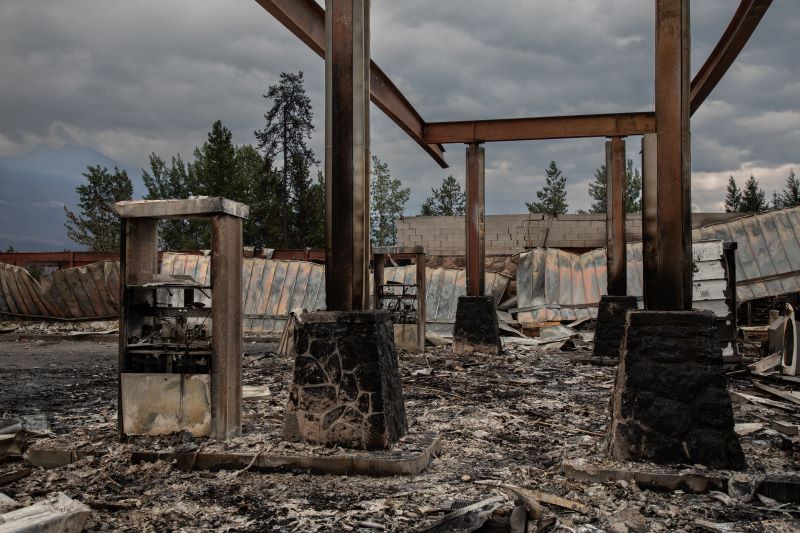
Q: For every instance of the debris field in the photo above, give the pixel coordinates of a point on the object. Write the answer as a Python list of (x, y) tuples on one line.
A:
[(527, 419)]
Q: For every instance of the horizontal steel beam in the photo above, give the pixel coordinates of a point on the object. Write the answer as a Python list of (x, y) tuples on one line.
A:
[(306, 19), (531, 129), (736, 35)]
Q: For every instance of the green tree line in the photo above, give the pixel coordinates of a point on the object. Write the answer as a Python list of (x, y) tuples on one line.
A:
[(273, 176)]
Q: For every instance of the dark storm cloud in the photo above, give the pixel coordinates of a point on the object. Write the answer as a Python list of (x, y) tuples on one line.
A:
[(129, 78)]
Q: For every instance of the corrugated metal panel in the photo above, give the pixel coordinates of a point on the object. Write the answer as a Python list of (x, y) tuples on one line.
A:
[(87, 292), (443, 286), (768, 254), (271, 288), (554, 285)]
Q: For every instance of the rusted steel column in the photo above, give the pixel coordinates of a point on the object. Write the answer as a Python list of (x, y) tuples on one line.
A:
[(649, 217), (616, 258), (421, 297), (673, 160), (347, 155), (379, 261), (475, 215), (226, 318)]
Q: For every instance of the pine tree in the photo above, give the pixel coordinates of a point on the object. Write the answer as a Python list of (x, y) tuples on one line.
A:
[(387, 203), (286, 133), (164, 182), (790, 196), (213, 171), (553, 197), (266, 207), (97, 224), (733, 197), (753, 197), (447, 200), (250, 172), (598, 189), (633, 189), (307, 229), (777, 203)]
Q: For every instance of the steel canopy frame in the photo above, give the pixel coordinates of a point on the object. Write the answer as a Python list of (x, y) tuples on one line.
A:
[(540, 128), (742, 25), (306, 19)]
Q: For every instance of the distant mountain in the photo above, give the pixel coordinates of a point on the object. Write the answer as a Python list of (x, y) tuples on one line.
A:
[(35, 187)]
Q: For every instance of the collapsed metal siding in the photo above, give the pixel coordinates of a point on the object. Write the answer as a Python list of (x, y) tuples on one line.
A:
[(271, 288), (768, 254), (554, 285), (82, 293), (443, 286)]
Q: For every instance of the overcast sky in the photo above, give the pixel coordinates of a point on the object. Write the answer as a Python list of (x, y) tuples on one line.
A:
[(130, 78)]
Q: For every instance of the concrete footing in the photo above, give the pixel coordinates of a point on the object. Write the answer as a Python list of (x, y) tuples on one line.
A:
[(611, 324), (476, 328), (670, 403), (346, 386)]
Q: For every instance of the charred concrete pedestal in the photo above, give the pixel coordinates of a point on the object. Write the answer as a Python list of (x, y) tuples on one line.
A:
[(476, 328), (346, 387), (611, 324), (670, 403)]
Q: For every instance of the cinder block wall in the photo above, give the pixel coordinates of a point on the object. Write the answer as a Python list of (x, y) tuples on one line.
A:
[(511, 234)]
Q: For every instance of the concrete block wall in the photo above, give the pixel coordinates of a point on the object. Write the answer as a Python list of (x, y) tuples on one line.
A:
[(511, 234)]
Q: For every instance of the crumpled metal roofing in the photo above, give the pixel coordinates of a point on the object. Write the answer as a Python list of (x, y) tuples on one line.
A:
[(82, 293), (554, 285), (271, 288), (768, 254), (443, 286)]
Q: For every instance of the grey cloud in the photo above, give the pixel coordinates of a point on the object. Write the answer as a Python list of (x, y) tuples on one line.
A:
[(131, 78)]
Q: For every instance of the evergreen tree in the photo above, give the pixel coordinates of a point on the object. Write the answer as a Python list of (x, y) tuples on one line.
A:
[(447, 200), (97, 224), (213, 171), (266, 208), (598, 189), (553, 197), (790, 196), (286, 134), (753, 197), (387, 202), (307, 228), (733, 197), (250, 173), (164, 182), (633, 189), (777, 203)]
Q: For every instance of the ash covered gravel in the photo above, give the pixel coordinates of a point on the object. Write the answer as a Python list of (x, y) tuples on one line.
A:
[(512, 418)]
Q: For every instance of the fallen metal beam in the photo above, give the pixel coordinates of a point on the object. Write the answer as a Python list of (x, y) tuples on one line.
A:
[(744, 22), (306, 19), (540, 128)]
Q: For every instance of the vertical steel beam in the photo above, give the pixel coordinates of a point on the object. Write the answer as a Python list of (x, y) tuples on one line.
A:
[(673, 160), (347, 155), (475, 215), (379, 261), (226, 326), (422, 295), (649, 217), (616, 259)]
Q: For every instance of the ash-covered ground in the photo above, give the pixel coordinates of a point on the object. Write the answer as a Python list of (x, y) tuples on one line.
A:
[(511, 419)]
